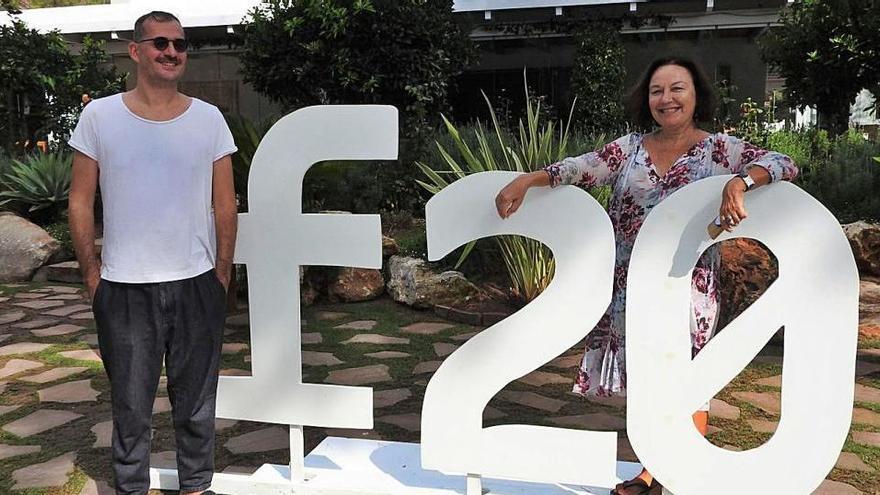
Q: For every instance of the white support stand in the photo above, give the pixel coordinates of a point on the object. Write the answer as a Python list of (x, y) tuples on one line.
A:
[(344, 466), (297, 454), (474, 484)]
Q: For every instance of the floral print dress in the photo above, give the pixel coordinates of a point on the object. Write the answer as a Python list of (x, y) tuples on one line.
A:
[(636, 188)]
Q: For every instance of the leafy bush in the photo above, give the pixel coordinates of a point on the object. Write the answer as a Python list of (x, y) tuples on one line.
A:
[(60, 231), (529, 263), (38, 187), (839, 172)]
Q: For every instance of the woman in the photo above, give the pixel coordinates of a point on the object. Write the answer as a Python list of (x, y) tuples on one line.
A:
[(643, 169)]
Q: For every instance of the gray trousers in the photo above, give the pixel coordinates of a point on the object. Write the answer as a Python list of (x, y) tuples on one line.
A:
[(139, 325)]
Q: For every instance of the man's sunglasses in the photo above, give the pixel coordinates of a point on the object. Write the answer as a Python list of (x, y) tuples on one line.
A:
[(161, 43)]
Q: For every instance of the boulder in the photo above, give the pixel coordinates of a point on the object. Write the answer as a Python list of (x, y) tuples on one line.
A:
[(389, 247), (869, 308), (67, 272), (412, 282), (864, 238), (356, 284), (24, 247), (747, 269)]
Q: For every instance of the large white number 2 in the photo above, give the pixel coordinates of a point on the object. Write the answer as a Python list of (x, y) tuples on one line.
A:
[(577, 229)]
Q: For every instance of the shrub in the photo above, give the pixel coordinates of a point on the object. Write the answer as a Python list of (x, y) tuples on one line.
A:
[(38, 187), (529, 263)]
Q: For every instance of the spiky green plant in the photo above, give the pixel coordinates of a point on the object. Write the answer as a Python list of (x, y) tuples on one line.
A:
[(537, 143), (38, 185), (247, 136)]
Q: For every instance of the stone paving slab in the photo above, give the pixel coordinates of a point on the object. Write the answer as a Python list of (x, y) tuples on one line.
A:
[(233, 348), (373, 338), (773, 381), (329, 315), (103, 432), (865, 416), (763, 426), (867, 394), (387, 398), (357, 325), (223, 424), (264, 440), (463, 336), (234, 372), (592, 421), (566, 362), (720, 409), (410, 422), (829, 487), (57, 330), (161, 405), (766, 401), (11, 317), (312, 338), (426, 328), (5, 337), (4, 410), (93, 487), (40, 304), (22, 348), (532, 400), (166, 459), (88, 315), (311, 358), (426, 367), (67, 310), (83, 355), (37, 323), (7, 451), (541, 378), (65, 297), (377, 373), (852, 462), (239, 320), (40, 421), (442, 349), (51, 473), (865, 368), (70, 392), (30, 295), (388, 355), (63, 289), (3, 299), (866, 438), (90, 338), (15, 366), (614, 401), (491, 413)]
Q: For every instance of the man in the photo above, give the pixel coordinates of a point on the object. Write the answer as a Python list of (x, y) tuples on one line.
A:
[(162, 159)]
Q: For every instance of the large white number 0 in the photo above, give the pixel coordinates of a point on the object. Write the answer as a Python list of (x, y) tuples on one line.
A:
[(815, 297), (576, 228)]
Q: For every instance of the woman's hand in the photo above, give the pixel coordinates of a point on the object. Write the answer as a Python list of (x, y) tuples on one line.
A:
[(733, 209), (511, 197)]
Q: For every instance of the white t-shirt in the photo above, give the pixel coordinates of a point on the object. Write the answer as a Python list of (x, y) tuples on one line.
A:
[(155, 180)]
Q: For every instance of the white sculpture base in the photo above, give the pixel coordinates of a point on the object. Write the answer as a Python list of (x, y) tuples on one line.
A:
[(344, 466)]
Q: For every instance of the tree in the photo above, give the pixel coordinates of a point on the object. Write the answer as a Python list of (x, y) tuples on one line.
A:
[(42, 83), (397, 52), (827, 51), (598, 78)]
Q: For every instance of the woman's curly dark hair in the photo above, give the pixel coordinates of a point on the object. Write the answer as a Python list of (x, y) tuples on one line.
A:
[(637, 99)]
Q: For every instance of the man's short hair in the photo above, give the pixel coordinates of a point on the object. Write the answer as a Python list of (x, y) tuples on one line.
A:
[(156, 16)]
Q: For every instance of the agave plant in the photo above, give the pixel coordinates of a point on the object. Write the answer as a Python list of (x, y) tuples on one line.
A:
[(39, 185), (539, 142)]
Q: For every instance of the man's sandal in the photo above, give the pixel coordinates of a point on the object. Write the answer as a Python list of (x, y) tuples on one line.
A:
[(637, 486)]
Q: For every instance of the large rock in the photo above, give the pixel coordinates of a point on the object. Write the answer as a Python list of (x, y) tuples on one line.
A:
[(869, 308), (411, 281), (389, 247), (24, 247), (356, 284), (747, 269), (865, 241)]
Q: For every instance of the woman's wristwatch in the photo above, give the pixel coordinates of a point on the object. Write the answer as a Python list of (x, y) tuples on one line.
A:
[(750, 183)]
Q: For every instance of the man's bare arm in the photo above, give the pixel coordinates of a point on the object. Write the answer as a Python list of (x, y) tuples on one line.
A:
[(81, 210), (225, 217)]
